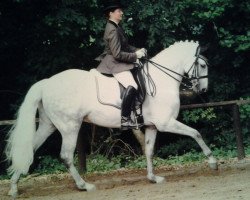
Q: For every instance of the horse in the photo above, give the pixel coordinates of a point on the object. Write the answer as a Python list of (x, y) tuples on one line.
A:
[(65, 100)]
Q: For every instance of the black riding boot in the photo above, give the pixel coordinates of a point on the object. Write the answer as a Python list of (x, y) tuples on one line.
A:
[(127, 102)]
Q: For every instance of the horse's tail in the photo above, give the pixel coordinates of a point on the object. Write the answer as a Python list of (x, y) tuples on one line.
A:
[(19, 149)]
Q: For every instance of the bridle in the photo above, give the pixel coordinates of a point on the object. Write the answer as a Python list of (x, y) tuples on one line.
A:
[(195, 77), (195, 74), (193, 80)]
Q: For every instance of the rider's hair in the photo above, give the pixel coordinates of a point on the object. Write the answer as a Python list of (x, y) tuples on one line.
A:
[(106, 13)]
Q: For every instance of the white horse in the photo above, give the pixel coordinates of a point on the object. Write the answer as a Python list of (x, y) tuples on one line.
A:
[(68, 98)]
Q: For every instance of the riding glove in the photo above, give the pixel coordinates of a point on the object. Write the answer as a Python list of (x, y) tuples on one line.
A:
[(141, 53)]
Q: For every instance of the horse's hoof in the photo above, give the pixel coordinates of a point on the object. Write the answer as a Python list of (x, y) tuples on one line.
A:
[(86, 186), (156, 179), (13, 194), (212, 162), (81, 186), (90, 187), (213, 166), (159, 179)]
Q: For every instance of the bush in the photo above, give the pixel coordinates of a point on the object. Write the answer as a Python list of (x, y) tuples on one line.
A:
[(179, 147), (48, 165), (100, 163)]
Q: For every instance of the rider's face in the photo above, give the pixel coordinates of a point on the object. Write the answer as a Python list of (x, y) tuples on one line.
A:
[(116, 15)]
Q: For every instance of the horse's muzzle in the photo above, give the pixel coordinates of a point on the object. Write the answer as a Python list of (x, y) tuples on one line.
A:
[(203, 90)]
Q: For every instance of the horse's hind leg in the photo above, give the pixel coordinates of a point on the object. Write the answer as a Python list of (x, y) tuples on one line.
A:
[(13, 186), (45, 128), (140, 138), (69, 139)]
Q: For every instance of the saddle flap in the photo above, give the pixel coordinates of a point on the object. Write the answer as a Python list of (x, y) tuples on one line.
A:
[(108, 90)]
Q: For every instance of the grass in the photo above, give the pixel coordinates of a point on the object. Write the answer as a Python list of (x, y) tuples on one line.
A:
[(102, 164)]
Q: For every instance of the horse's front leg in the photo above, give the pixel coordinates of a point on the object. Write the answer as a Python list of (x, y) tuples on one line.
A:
[(150, 136), (175, 126)]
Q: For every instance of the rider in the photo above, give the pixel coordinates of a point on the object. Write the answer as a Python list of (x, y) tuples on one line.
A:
[(118, 59)]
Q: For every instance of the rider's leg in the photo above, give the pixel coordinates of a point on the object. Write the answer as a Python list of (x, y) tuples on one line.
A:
[(126, 108), (127, 80)]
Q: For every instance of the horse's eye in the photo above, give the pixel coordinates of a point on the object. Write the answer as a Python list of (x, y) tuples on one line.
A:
[(203, 66)]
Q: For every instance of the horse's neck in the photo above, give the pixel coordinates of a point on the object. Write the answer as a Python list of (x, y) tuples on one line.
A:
[(169, 80)]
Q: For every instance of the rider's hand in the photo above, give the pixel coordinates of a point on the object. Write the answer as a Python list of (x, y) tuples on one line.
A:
[(144, 50), (137, 62), (141, 53)]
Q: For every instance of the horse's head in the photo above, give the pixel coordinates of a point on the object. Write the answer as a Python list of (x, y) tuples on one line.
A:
[(198, 73), (180, 58)]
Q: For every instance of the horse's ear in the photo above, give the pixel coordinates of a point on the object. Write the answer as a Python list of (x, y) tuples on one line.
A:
[(198, 50), (204, 48)]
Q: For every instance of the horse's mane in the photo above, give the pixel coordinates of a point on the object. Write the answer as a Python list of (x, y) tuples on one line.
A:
[(174, 51)]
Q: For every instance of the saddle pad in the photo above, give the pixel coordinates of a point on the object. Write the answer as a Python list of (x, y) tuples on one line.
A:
[(107, 89)]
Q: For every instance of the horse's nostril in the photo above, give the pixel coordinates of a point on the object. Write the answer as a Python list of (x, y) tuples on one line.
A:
[(204, 90)]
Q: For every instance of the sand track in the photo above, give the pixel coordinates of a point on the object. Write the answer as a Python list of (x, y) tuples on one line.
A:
[(231, 181)]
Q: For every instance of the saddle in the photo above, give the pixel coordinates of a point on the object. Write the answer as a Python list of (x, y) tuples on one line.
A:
[(106, 82)]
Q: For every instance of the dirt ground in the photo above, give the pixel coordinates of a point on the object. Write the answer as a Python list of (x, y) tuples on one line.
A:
[(230, 182)]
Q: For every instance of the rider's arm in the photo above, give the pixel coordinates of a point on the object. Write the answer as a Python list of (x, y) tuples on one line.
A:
[(115, 47)]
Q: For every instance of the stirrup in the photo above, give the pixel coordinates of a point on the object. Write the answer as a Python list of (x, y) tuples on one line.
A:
[(127, 123), (139, 119)]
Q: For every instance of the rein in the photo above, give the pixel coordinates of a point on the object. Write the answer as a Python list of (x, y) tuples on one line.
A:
[(161, 68)]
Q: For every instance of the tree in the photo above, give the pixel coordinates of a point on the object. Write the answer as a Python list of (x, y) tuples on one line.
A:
[(42, 38)]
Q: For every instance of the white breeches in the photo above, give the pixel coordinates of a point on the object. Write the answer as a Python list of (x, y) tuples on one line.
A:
[(125, 78)]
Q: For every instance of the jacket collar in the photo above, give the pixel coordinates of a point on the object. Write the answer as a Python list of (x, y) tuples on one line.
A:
[(111, 22)]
